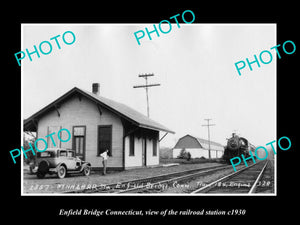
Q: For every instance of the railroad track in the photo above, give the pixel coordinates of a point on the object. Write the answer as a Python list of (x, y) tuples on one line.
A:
[(266, 183), (156, 186), (246, 180), (150, 184)]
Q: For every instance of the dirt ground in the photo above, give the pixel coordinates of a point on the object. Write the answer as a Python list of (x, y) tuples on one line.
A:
[(52, 184)]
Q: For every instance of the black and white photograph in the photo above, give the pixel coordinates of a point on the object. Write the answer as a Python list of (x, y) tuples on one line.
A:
[(166, 114), (110, 113)]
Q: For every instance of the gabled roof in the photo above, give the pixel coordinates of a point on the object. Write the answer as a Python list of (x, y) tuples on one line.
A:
[(199, 141), (120, 109), (204, 141)]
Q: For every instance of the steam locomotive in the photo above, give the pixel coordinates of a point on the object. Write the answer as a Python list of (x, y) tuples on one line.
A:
[(236, 146)]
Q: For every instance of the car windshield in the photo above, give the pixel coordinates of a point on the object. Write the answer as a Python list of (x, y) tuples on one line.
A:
[(65, 153), (62, 153), (45, 154)]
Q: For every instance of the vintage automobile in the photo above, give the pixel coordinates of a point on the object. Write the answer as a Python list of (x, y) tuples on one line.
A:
[(59, 161)]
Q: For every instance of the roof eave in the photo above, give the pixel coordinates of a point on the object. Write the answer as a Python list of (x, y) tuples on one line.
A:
[(156, 128), (97, 101)]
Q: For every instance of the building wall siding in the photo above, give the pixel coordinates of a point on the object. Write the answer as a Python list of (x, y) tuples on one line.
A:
[(152, 160), (136, 160), (75, 113)]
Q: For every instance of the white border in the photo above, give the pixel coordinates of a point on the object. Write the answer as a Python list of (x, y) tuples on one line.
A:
[(165, 194)]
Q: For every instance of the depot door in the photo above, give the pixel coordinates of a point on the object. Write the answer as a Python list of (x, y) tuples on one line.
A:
[(105, 139), (79, 141), (144, 152)]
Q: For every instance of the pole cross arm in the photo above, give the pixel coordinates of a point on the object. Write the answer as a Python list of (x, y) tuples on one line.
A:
[(145, 86)]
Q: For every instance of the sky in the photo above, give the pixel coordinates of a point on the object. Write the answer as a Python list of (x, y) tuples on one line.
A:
[(194, 65)]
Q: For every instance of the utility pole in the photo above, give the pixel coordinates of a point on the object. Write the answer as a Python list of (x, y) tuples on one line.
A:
[(235, 132), (208, 125), (146, 86)]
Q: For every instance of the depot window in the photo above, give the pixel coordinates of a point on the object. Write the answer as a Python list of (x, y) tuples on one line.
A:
[(154, 147)]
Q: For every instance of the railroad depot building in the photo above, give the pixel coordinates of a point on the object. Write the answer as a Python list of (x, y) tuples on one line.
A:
[(198, 147), (97, 123)]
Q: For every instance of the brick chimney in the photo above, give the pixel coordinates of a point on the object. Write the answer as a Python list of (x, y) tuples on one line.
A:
[(96, 88)]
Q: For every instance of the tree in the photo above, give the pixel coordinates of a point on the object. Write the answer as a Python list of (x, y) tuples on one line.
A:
[(26, 141), (184, 154), (188, 156)]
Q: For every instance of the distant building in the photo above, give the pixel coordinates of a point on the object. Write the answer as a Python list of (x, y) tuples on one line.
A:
[(96, 124), (198, 147)]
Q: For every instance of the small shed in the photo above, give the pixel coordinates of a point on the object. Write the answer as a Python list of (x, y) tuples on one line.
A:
[(198, 147)]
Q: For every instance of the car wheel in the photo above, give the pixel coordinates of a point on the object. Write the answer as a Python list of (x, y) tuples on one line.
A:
[(40, 175), (62, 171), (43, 167), (87, 170)]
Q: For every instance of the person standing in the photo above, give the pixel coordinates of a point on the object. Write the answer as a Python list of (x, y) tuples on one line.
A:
[(104, 156)]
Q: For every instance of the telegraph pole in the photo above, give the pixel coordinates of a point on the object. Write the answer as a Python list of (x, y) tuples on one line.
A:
[(146, 86), (208, 125)]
